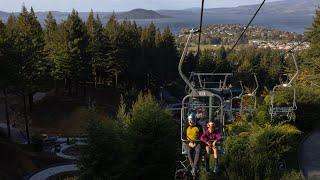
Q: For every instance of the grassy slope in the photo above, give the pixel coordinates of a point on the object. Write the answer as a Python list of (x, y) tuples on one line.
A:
[(62, 115), (17, 162)]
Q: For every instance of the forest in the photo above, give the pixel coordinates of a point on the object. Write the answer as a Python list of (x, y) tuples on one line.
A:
[(141, 140)]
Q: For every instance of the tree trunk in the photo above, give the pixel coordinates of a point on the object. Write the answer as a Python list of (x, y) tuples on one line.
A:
[(69, 86), (7, 112), (55, 86), (116, 76), (26, 120), (65, 83), (77, 88), (95, 81), (84, 89), (30, 97)]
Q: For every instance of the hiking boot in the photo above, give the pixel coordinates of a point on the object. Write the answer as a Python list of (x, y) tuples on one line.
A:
[(207, 167), (215, 170), (193, 171)]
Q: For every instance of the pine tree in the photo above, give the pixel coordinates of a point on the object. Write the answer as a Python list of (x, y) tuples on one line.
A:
[(313, 54), (72, 61), (148, 47), (50, 35), (118, 60), (170, 56), (6, 72), (99, 49), (129, 47), (27, 46)]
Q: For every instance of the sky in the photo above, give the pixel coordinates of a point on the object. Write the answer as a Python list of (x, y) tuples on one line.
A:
[(116, 5)]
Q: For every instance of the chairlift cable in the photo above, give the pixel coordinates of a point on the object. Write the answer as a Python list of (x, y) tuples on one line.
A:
[(303, 41), (200, 28), (236, 43), (254, 16)]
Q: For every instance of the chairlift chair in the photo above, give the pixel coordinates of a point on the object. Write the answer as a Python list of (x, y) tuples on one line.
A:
[(235, 107), (284, 110), (198, 98), (244, 105)]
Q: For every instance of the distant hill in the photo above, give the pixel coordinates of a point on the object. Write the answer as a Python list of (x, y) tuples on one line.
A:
[(4, 15), (140, 14), (284, 7), (60, 16), (281, 7), (286, 15)]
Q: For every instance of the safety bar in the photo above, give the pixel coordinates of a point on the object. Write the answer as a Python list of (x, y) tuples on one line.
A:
[(185, 140), (183, 110)]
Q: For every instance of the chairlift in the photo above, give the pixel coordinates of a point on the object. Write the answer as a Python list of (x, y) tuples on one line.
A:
[(213, 82), (236, 100), (284, 110), (200, 96), (249, 100)]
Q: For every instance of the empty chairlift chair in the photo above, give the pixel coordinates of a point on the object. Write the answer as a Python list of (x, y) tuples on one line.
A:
[(249, 100), (279, 106)]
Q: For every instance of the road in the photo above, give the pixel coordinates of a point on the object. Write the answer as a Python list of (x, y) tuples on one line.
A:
[(309, 159), (52, 171)]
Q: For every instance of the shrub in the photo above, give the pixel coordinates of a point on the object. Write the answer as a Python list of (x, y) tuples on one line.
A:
[(307, 114), (104, 156), (140, 144), (153, 137), (37, 143), (292, 175), (256, 152), (270, 146), (237, 158)]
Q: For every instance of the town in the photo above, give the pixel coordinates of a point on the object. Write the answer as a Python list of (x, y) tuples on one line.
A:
[(257, 36)]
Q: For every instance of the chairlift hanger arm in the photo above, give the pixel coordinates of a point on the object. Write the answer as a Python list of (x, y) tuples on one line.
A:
[(297, 70), (242, 89), (257, 84), (184, 53)]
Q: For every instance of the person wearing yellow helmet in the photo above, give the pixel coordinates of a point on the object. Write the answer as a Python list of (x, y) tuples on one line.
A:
[(193, 146)]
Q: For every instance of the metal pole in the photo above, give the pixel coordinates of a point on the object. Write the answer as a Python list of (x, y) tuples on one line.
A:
[(210, 108)]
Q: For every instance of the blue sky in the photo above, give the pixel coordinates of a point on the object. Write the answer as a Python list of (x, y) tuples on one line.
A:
[(116, 5)]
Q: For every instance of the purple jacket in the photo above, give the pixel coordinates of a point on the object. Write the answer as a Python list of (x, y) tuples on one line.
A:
[(207, 136)]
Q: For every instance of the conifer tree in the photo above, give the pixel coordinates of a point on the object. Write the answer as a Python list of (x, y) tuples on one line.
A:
[(72, 60), (50, 35), (6, 72), (27, 47), (148, 46), (114, 31), (170, 57), (313, 53), (128, 47), (99, 49)]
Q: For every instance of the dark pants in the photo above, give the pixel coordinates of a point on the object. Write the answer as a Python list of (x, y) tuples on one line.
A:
[(194, 155)]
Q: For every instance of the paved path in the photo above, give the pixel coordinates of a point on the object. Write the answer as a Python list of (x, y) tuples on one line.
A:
[(65, 146), (310, 156), (52, 171)]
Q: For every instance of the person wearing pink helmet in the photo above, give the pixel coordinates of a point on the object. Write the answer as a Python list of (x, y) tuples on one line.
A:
[(210, 137)]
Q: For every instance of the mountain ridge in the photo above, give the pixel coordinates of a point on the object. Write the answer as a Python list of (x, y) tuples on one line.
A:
[(287, 15)]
